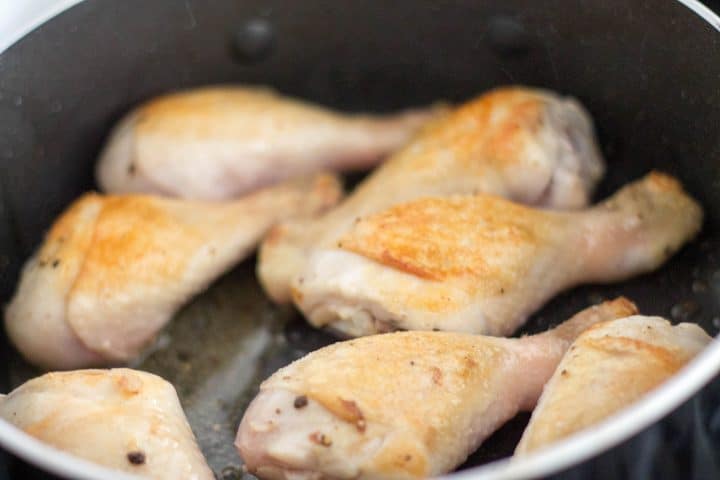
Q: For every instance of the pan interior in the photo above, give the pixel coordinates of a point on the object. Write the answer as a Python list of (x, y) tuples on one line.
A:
[(655, 103)]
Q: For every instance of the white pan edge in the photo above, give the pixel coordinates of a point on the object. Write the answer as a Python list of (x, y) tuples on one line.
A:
[(20, 17), (53, 460), (567, 453)]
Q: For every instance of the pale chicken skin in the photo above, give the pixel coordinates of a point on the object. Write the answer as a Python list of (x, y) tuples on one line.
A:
[(220, 142), (482, 264), (399, 405), (113, 270), (531, 146), (122, 419), (608, 368)]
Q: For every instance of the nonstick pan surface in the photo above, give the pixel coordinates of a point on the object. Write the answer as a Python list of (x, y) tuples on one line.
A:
[(648, 71)]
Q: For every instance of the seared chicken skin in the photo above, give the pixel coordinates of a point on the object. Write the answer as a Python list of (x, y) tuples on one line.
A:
[(221, 142), (482, 264), (114, 269), (400, 405), (122, 419), (530, 146), (609, 367)]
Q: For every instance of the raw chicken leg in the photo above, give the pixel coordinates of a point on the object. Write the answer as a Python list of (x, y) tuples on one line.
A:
[(401, 405), (482, 264), (609, 367), (220, 142), (527, 145), (114, 269), (123, 419)]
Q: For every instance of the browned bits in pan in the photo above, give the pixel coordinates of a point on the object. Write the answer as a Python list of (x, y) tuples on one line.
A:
[(300, 401), (320, 439), (136, 457)]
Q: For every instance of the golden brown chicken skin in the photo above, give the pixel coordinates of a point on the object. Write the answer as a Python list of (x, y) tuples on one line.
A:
[(483, 264), (113, 269), (399, 405), (530, 146), (218, 143), (608, 368)]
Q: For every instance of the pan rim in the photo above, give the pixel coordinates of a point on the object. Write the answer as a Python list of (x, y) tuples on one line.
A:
[(9, 38), (53, 460), (564, 454), (614, 430)]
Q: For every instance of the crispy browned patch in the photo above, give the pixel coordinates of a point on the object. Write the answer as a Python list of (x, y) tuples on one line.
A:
[(38, 429), (595, 316), (402, 458), (296, 295), (668, 360), (67, 242), (437, 376), (489, 131), (350, 412), (65, 227), (391, 261), (662, 182), (470, 363), (132, 239), (329, 189), (524, 117), (478, 236), (275, 235), (620, 307), (129, 385), (320, 439)]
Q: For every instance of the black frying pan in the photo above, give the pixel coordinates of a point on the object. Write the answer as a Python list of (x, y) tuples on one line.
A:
[(649, 71)]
